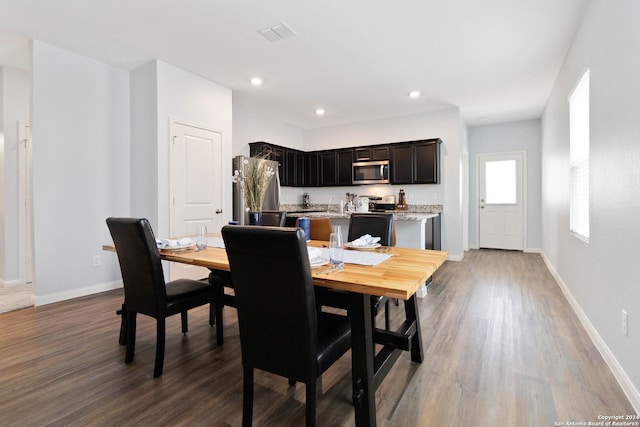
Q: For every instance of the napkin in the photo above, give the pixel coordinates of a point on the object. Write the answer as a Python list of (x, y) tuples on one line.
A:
[(365, 240), (313, 253), (171, 243)]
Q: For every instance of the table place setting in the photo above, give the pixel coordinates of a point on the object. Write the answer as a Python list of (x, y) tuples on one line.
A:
[(366, 242), (358, 257), (175, 244)]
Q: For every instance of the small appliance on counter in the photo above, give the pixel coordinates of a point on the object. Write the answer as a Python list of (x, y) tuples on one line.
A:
[(382, 203)]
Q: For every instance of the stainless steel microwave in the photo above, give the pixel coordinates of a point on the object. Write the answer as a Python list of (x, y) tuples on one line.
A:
[(371, 172)]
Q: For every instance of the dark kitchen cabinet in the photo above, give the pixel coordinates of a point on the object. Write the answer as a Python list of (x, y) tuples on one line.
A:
[(411, 162), (380, 152), (290, 168), (344, 160), (361, 154), (328, 173), (310, 170), (425, 162), (402, 164), (372, 152)]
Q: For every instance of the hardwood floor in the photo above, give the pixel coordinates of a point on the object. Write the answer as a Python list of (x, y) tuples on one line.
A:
[(502, 348)]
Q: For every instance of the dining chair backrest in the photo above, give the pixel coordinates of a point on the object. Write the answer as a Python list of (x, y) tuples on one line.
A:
[(375, 224), (319, 228), (275, 299), (140, 264), (274, 218)]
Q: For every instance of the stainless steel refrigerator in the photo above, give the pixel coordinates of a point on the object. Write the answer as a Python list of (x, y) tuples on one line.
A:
[(271, 196)]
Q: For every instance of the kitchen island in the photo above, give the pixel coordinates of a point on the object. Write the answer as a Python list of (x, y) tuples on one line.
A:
[(419, 230)]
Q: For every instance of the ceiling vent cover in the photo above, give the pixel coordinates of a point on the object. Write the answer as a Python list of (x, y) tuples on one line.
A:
[(277, 32)]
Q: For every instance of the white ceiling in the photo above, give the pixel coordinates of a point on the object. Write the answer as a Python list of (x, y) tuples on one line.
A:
[(494, 59)]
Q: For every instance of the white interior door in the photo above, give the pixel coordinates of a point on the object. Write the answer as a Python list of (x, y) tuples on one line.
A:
[(501, 201), (196, 187)]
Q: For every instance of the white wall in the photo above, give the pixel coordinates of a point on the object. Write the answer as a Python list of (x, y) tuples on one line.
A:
[(80, 128), (602, 276), (15, 93), (248, 127), (144, 143), (524, 136), (446, 125)]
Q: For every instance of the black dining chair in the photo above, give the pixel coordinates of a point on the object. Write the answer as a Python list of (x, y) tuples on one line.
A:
[(145, 290), (378, 225), (280, 329), (274, 218)]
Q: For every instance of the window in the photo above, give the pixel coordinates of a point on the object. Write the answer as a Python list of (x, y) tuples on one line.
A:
[(500, 182), (579, 158)]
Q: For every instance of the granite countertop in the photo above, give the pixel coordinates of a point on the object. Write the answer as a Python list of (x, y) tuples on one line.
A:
[(417, 213), (397, 215)]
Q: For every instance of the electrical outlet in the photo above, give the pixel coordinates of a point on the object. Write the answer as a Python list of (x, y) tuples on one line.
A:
[(625, 323), (96, 260)]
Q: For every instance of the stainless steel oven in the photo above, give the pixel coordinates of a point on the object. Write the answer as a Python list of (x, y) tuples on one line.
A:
[(371, 172)]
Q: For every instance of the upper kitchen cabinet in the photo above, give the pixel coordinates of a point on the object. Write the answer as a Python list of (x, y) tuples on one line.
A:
[(344, 160), (426, 158), (411, 162), (328, 172), (286, 157), (402, 164), (311, 170), (416, 162), (372, 152)]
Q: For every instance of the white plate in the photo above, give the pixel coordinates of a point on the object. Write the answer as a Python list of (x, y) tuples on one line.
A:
[(362, 248), (318, 261), (178, 248)]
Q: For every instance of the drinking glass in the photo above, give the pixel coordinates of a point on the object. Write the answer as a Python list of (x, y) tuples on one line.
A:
[(201, 237), (335, 246)]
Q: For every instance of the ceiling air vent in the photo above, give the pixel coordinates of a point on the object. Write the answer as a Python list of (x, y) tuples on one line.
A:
[(277, 32)]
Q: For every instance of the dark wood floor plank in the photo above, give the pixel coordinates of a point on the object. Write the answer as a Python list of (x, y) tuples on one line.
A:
[(502, 347)]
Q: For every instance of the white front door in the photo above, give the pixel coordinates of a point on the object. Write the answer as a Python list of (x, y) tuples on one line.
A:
[(196, 187), (501, 201)]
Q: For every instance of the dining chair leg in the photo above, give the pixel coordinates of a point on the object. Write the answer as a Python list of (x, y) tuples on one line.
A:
[(122, 339), (311, 403), (387, 316), (160, 333), (218, 306), (131, 336), (247, 396), (185, 321), (212, 314)]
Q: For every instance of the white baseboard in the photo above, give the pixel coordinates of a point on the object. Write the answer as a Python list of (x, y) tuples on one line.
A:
[(623, 379), (458, 257), (533, 250), (75, 293)]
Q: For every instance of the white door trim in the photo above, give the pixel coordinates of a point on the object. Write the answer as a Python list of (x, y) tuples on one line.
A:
[(25, 220), (524, 194)]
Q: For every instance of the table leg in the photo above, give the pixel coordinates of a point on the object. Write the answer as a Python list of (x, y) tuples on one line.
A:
[(412, 313), (364, 402)]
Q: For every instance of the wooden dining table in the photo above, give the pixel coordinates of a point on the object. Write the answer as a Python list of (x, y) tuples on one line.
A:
[(399, 277)]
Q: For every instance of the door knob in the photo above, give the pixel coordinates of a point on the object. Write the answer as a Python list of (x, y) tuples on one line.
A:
[(218, 211)]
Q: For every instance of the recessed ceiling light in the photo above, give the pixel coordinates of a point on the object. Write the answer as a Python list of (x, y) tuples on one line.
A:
[(414, 94), (320, 111), (256, 81)]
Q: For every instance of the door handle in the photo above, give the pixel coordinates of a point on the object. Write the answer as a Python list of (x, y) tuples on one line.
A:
[(218, 211)]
